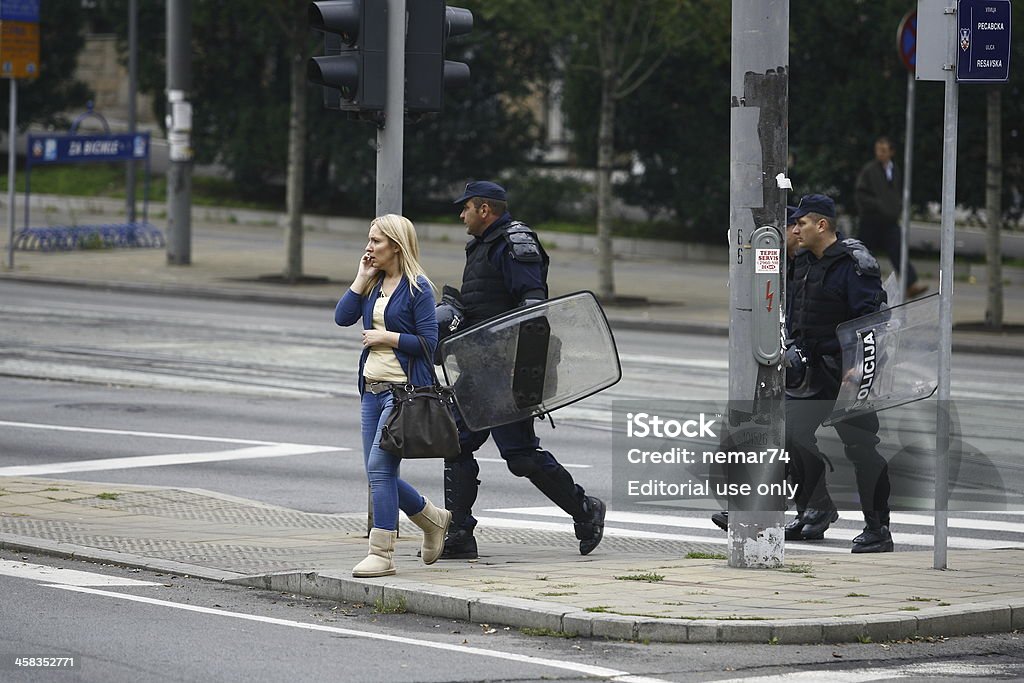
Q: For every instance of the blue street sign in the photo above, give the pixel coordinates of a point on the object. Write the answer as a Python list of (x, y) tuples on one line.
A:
[(62, 149), (19, 10), (983, 41)]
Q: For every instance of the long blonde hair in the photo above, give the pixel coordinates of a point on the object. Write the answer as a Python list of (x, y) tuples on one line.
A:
[(401, 231)]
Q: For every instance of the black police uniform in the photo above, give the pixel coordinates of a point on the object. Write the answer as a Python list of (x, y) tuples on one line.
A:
[(506, 266), (844, 284)]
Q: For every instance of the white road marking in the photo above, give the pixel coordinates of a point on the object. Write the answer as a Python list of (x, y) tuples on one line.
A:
[(505, 523), (275, 451), (584, 669), (668, 520), (256, 449), (124, 432), (66, 577), (566, 465)]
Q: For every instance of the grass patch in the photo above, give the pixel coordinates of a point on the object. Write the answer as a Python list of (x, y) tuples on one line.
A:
[(851, 579), (705, 556), (864, 639), (599, 609), (389, 606), (555, 595), (108, 180), (915, 598), (798, 568), (649, 577), (944, 604), (545, 633), (857, 595), (108, 496), (910, 609)]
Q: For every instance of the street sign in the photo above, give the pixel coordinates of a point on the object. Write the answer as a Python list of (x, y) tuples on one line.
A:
[(19, 38), (906, 40), (62, 149), (19, 49), (983, 41)]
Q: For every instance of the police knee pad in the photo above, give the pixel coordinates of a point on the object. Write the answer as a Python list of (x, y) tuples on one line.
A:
[(523, 464)]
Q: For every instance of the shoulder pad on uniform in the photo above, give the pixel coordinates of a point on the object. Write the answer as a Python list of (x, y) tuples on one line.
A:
[(523, 243), (865, 263)]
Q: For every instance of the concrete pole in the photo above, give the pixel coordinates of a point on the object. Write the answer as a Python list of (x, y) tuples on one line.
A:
[(179, 132), (758, 151), (942, 428), (390, 136), (133, 88)]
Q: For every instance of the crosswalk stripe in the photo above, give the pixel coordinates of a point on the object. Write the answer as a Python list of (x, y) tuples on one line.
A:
[(899, 520)]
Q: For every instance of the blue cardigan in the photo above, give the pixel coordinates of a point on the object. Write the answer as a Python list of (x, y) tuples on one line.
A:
[(410, 313)]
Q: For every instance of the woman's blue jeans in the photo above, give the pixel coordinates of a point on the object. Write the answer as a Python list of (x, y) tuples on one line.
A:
[(387, 491)]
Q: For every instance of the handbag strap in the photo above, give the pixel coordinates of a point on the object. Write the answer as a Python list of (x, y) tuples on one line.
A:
[(426, 355)]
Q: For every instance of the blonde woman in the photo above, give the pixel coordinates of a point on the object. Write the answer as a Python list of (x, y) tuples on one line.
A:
[(394, 299)]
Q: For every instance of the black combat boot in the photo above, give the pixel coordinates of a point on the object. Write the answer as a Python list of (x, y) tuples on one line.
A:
[(460, 491), (721, 520), (591, 531), (817, 521), (876, 537), (794, 528), (460, 544)]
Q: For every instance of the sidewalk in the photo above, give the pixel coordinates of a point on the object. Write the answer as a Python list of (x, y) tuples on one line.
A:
[(627, 589), (635, 589)]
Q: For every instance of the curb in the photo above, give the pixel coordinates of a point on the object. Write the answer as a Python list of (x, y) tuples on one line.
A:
[(450, 603), (618, 323)]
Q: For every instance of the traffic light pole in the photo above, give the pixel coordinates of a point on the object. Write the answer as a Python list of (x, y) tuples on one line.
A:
[(179, 132), (391, 133), (758, 150)]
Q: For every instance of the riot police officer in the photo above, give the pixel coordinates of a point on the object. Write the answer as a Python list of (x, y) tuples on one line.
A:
[(834, 280), (506, 267)]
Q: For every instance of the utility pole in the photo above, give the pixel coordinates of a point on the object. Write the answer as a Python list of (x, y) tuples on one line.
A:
[(179, 132), (391, 135), (758, 149)]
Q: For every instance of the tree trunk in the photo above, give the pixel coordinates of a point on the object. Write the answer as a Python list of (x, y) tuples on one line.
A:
[(605, 157), (994, 210), (296, 168)]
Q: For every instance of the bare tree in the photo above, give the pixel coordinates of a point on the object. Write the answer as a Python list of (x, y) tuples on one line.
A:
[(632, 39)]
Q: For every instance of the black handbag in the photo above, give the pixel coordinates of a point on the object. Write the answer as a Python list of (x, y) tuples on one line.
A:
[(421, 423)]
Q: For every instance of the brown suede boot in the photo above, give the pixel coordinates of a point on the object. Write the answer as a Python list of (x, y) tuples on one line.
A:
[(434, 522), (380, 561)]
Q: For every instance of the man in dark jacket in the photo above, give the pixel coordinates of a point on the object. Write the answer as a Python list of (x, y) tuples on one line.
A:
[(834, 280), (879, 195), (506, 267)]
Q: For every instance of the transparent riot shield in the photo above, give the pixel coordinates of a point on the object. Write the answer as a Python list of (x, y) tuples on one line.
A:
[(531, 360), (889, 358)]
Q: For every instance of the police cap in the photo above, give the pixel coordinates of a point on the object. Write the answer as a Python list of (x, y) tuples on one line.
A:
[(482, 188), (815, 203)]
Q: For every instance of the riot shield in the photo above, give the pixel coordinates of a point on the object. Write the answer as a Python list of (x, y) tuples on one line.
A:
[(889, 358), (530, 361)]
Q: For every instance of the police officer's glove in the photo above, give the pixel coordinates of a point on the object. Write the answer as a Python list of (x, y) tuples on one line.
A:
[(796, 366)]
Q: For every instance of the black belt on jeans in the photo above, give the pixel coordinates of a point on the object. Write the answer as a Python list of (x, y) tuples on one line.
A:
[(375, 387)]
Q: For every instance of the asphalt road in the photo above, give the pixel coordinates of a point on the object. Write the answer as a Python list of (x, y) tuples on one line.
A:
[(90, 376), (129, 625)]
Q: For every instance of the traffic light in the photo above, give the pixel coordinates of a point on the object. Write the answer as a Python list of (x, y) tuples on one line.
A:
[(427, 73), (353, 69)]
